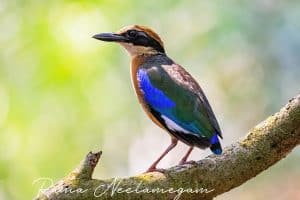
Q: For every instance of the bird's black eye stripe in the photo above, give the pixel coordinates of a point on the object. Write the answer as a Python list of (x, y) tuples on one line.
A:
[(143, 39), (132, 33)]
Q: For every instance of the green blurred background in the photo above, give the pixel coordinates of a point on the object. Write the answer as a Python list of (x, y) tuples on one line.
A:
[(63, 93)]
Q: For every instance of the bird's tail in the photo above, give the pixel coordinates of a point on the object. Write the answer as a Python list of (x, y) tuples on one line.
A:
[(215, 147)]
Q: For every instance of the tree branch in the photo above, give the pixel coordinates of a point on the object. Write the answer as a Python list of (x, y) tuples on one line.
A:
[(264, 145)]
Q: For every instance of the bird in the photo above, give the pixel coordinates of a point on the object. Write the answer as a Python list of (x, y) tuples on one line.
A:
[(168, 94)]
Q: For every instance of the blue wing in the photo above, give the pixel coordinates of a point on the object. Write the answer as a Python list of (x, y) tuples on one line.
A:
[(163, 104), (164, 109), (153, 96)]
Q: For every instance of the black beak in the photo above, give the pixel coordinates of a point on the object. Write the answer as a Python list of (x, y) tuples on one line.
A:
[(110, 37)]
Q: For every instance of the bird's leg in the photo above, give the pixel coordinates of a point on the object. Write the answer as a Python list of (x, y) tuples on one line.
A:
[(152, 168), (185, 157)]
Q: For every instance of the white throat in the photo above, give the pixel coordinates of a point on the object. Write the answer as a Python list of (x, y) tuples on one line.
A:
[(135, 50)]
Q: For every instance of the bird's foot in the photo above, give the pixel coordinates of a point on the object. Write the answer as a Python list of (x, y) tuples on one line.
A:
[(183, 162), (154, 169)]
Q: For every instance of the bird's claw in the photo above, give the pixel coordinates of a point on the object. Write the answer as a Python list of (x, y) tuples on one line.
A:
[(154, 169), (192, 162)]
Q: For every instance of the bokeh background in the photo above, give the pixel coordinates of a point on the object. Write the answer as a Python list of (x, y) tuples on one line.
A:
[(63, 93)]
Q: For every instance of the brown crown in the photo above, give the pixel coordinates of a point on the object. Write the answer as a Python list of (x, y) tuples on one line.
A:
[(145, 29)]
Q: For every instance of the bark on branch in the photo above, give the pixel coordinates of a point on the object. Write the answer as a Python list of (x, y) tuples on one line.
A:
[(264, 145)]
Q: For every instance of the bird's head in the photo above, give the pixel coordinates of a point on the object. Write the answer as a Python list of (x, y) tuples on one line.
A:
[(137, 40)]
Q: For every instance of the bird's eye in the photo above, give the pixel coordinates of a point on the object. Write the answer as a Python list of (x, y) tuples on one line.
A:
[(132, 33)]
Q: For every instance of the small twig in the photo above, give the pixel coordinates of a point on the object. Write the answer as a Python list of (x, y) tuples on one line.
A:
[(86, 167)]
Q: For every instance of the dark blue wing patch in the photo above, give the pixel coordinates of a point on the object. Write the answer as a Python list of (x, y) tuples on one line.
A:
[(215, 144), (153, 96)]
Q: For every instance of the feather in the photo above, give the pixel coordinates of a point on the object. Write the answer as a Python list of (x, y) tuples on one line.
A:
[(176, 100)]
